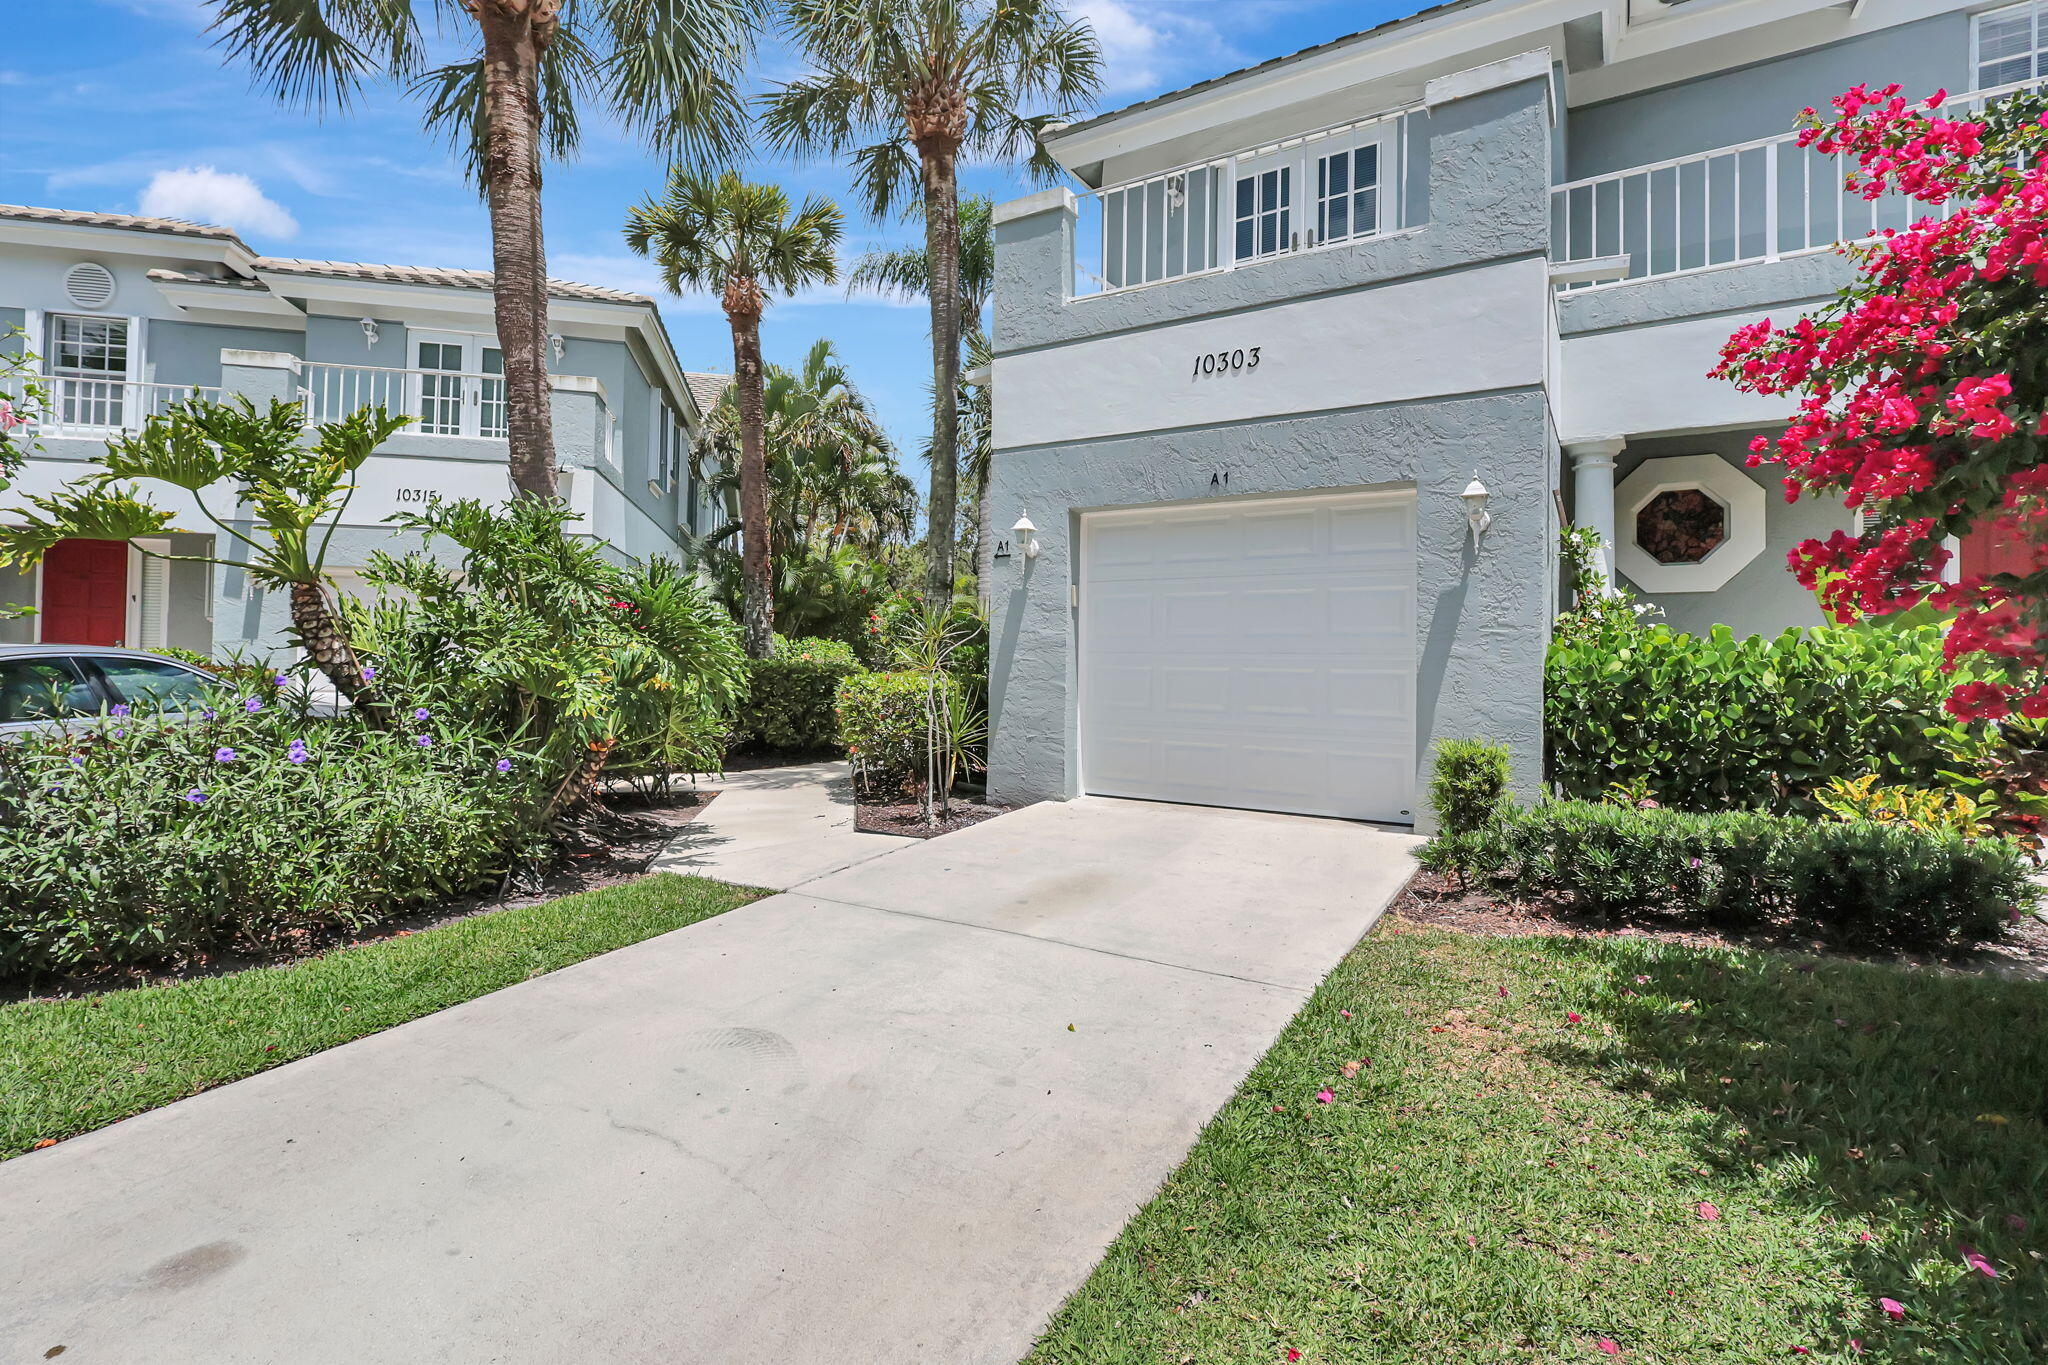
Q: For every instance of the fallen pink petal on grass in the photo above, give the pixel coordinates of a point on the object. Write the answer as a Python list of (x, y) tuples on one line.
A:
[(1346, 1014), (1325, 1095), (1572, 1017), (1707, 1211), (1895, 1310), (1503, 992), (1293, 1355), (1608, 1346), (2015, 1222), (1975, 1259)]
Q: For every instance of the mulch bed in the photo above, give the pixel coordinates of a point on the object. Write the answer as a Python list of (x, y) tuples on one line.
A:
[(1435, 899), (903, 818)]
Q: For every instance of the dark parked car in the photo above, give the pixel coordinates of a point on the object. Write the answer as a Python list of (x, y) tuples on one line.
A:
[(42, 686)]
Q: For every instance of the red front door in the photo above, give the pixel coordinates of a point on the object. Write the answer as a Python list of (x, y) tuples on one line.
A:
[(85, 592)]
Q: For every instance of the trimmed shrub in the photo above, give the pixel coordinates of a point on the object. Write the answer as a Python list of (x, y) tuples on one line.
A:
[(147, 840), (1716, 722), (1470, 784), (1856, 881), (884, 725), (792, 693)]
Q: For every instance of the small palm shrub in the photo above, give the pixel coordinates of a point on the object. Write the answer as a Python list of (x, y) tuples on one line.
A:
[(1857, 881), (791, 694), (151, 839)]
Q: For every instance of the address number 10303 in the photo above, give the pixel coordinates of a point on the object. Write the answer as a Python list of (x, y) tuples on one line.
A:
[(1225, 362)]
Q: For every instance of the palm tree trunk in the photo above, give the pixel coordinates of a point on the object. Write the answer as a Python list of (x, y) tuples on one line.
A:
[(757, 613), (326, 643), (942, 251), (511, 171)]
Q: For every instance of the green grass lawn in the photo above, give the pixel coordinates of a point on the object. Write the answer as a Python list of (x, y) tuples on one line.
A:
[(68, 1066), (1728, 1157)]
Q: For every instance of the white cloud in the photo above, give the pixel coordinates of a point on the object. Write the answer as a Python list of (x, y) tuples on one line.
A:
[(1149, 46), (206, 195)]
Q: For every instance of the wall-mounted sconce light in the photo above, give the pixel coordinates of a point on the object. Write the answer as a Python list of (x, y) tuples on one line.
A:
[(1476, 515), (1027, 536), (559, 345), (369, 326)]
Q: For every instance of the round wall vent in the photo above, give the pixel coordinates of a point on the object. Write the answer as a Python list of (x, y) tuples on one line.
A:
[(89, 284)]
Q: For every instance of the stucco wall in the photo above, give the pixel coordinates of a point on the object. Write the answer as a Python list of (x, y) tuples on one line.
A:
[(1482, 619), (1763, 598), (1763, 100)]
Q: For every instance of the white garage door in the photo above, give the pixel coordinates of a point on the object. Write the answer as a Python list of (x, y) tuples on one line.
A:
[(1256, 653)]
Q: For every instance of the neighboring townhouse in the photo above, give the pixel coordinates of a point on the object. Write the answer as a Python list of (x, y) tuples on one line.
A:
[(128, 314), (1298, 391)]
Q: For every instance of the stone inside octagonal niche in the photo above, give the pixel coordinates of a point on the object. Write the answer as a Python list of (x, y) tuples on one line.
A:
[(1682, 525)]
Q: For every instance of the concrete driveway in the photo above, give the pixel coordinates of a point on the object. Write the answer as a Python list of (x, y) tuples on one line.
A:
[(894, 1115)]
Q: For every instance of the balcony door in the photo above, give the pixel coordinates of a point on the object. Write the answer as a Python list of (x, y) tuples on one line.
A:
[(459, 385), (1262, 207)]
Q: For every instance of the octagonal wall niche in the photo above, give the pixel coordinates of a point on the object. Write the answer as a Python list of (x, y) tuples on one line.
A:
[(1688, 523)]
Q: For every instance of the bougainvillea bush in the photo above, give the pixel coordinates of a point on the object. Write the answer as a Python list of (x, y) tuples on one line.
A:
[(248, 825), (1923, 390)]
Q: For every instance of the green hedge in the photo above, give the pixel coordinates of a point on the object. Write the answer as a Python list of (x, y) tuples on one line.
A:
[(791, 694), (883, 722), (1716, 722), (1856, 881)]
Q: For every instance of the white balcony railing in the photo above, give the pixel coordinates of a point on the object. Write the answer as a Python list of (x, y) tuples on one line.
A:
[(1321, 189), (105, 407), (441, 402), (1755, 201)]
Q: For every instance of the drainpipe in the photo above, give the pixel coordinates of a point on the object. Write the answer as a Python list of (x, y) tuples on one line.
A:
[(1593, 493)]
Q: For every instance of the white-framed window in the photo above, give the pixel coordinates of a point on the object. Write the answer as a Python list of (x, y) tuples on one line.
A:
[(89, 359), (2008, 45), (667, 447), (1348, 193), (1264, 211), (460, 385)]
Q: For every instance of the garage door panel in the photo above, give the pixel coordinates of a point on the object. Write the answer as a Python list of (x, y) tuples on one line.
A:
[(1256, 654)]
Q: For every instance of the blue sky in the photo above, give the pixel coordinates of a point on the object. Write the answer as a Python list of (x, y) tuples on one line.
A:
[(124, 106)]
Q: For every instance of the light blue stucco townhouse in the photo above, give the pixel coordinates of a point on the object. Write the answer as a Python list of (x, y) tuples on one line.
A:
[(1302, 324), (128, 314)]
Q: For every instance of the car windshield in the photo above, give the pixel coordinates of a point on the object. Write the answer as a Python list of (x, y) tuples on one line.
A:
[(169, 686), (42, 689)]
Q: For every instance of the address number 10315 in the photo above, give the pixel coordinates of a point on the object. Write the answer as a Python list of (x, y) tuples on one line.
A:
[(1224, 362)]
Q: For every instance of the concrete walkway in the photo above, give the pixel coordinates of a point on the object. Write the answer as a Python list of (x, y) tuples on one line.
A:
[(894, 1116), (778, 828)]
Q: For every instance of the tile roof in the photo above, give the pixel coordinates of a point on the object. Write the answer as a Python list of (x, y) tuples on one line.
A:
[(435, 275), (194, 277), (706, 388), (1169, 96), (133, 222)]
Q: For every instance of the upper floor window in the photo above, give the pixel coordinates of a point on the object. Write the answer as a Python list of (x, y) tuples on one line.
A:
[(670, 438), (87, 358), (461, 385), (2009, 45)]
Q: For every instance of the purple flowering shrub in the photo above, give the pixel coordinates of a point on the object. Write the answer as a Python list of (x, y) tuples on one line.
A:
[(153, 839)]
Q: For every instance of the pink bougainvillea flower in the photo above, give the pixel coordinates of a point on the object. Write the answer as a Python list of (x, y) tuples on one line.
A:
[(1640, 978), (1278, 1110), (1503, 992), (1974, 1259), (1608, 1346), (1801, 1351), (1573, 1017), (1894, 1310), (1292, 1355), (1325, 1096), (1344, 1014), (1707, 1211), (1855, 1346), (2015, 1222)]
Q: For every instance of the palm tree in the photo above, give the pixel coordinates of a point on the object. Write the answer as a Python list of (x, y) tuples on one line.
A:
[(900, 90), (663, 69), (906, 273), (722, 233)]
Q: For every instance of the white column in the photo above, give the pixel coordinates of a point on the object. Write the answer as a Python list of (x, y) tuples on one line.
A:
[(1593, 492)]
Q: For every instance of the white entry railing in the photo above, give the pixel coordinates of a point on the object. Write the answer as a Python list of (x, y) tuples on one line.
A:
[(101, 407), (1319, 189), (1754, 201), (441, 402)]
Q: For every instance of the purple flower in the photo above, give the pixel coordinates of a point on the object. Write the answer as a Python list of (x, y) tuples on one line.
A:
[(504, 765), (119, 733), (369, 673), (424, 741), (421, 713), (252, 705), (208, 713), (297, 753), (196, 796), (120, 708), (223, 755), (281, 679), (78, 760)]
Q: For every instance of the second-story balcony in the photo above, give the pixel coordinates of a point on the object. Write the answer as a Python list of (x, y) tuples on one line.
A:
[(99, 408), (440, 402), (1325, 188), (1750, 202)]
